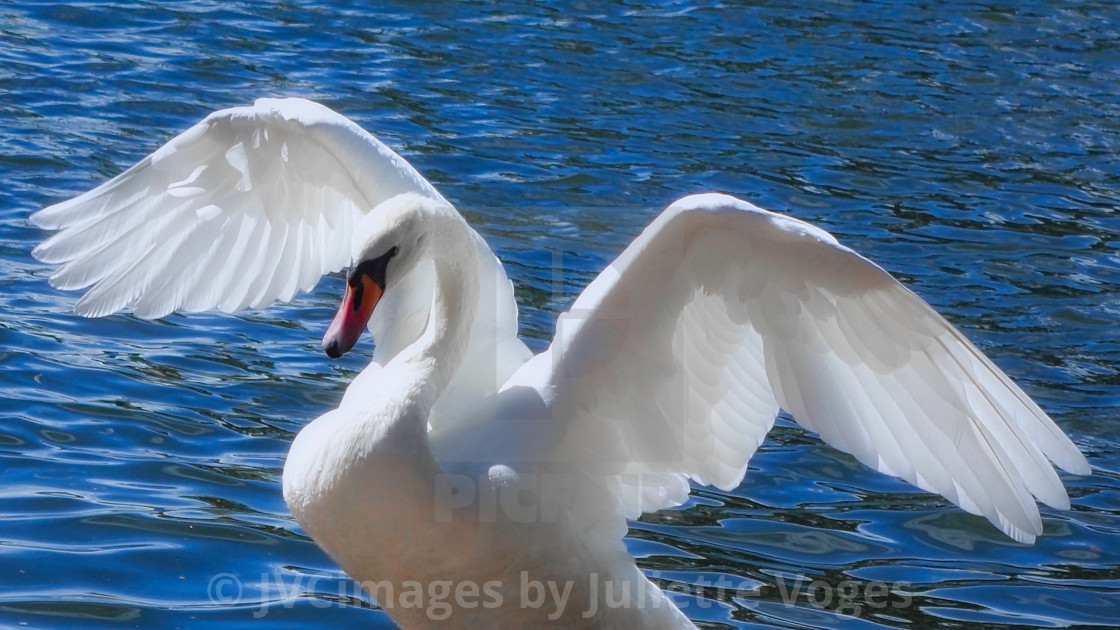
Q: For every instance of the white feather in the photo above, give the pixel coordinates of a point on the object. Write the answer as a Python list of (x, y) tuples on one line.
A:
[(673, 364), (246, 208)]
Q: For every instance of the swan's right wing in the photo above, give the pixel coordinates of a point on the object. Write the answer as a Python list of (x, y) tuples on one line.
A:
[(673, 363), (245, 208)]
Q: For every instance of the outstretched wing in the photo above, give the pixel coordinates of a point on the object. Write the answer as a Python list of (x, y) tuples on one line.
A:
[(674, 361), (245, 208), (251, 205)]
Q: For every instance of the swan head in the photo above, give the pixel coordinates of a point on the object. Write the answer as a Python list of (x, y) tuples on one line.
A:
[(389, 242)]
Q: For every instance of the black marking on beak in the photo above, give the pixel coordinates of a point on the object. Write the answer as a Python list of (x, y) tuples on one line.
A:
[(374, 269)]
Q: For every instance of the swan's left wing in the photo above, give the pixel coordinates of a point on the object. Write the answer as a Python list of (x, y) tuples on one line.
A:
[(675, 360)]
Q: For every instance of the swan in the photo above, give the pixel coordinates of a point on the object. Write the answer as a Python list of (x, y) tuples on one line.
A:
[(457, 466)]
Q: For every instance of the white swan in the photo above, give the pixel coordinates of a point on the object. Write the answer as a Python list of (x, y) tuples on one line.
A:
[(452, 461)]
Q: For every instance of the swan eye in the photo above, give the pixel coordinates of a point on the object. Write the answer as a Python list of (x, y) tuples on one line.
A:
[(394, 251)]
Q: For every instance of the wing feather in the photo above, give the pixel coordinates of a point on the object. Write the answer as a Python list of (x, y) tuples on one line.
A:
[(272, 190), (250, 206), (674, 362)]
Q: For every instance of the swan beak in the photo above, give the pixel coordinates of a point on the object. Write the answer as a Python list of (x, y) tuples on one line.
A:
[(353, 315)]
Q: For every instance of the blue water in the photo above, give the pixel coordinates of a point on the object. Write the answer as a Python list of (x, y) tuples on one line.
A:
[(971, 148)]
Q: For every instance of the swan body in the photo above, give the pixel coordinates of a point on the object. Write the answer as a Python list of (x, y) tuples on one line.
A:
[(345, 469), (455, 459)]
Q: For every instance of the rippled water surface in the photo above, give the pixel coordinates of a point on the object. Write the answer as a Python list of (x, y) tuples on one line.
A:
[(970, 148)]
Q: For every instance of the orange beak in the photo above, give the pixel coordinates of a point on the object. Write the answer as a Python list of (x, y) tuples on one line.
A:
[(353, 315)]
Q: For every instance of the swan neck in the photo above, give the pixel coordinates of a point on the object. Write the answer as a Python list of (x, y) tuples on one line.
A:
[(454, 302)]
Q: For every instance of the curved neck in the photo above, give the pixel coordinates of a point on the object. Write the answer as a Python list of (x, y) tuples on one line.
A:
[(439, 351)]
